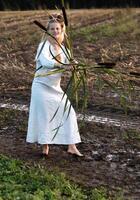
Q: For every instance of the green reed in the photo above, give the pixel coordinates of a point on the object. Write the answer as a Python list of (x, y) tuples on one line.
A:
[(79, 72)]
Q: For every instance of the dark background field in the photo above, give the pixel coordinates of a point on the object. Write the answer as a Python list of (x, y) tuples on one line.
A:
[(72, 4)]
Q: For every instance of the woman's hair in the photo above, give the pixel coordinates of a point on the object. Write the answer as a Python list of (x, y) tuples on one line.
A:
[(55, 18)]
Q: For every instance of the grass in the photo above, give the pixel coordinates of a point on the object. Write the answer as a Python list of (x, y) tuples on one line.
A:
[(18, 181), (21, 182), (121, 25)]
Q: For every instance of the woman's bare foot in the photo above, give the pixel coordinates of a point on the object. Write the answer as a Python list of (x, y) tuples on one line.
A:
[(73, 150), (45, 149)]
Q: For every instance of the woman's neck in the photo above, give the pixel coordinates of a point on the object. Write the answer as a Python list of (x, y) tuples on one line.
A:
[(55, 45)]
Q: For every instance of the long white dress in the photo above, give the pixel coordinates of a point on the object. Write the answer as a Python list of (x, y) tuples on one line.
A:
[(44, 127)]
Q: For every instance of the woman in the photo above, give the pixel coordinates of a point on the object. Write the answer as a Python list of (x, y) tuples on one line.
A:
[(45, 125)]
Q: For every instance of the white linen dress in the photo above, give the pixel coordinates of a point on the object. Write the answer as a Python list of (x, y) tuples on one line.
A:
[(46, 98)]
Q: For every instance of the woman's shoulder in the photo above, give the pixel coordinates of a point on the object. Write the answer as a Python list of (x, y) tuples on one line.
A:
[(66, 49), (64, 46), (44, 45), (45, 42)]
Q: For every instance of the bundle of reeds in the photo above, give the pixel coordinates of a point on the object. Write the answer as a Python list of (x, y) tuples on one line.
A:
[(79, 74)]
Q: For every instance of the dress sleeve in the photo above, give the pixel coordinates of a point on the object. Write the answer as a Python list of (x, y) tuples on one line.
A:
[(44, 59)]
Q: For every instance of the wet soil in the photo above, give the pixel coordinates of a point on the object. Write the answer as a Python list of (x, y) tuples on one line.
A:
[(111, 154)]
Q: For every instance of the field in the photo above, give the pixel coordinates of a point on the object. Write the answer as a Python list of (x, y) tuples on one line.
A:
[(112, 152)]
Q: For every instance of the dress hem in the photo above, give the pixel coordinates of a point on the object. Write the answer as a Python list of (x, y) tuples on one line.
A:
[(62, 143)]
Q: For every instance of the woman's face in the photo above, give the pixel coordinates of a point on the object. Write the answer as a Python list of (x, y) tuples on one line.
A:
[(55, 29)]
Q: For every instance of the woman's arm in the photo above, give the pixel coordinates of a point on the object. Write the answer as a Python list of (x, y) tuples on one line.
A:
[(44, 58)]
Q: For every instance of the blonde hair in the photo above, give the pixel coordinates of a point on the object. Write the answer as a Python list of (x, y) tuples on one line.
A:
[(55, 18)]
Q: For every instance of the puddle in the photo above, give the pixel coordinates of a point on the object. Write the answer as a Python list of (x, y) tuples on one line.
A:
[(108, 121), (14, 106), (88, 118)]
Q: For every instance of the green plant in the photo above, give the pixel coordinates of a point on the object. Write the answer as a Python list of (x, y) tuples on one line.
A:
[(19, 181), (79, 74)]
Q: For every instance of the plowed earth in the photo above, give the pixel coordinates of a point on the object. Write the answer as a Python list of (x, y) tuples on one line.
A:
[(112, 154)]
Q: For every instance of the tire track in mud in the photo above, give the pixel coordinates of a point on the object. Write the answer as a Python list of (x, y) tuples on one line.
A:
[(109, 160), (107, 121)]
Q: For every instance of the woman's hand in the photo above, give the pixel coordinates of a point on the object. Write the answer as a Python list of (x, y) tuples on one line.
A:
[(70, 67), (73, 62)]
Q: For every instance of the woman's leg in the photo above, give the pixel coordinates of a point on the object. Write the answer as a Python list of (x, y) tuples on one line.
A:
[(73, 150), (45, 149)]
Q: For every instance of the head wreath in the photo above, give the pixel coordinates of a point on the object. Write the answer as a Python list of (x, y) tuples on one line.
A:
[(56, 17)]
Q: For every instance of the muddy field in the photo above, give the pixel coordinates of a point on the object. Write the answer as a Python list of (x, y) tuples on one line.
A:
[(112, 153)]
